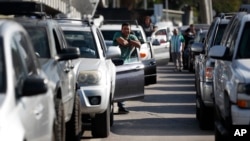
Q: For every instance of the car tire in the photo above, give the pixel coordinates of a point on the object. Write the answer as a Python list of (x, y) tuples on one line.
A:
[(100, 125), (197, 107), (205, 116), (218, 136), (59, 121), (74, 125), (112, 114)]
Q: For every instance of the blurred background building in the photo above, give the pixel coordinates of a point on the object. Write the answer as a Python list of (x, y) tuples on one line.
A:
[(179, 12)]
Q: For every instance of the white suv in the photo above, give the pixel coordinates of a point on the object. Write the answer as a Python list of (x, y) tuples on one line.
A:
[(146, 51), (95, 73), (231, 78)]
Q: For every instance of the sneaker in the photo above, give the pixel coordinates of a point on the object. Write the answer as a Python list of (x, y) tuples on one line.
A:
[(180, 70), (123, 111)]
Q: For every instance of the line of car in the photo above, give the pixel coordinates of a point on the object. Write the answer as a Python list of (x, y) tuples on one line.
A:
[(222, 75), (58, 74)]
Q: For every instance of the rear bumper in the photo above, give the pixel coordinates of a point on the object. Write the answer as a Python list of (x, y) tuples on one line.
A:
[(207, 93)]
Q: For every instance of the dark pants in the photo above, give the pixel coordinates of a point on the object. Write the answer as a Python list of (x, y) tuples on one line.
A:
[(120, 104), (177, 59)]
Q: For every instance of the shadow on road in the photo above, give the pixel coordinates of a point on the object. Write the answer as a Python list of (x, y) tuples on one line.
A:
[(158, 127)]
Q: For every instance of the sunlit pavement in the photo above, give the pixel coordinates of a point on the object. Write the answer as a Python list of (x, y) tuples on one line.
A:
[(166, 113)]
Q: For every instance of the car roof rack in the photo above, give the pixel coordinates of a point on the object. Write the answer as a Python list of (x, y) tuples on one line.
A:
[(132, 22), (226, 15), (27, 8), (70, 20), (245, 8)]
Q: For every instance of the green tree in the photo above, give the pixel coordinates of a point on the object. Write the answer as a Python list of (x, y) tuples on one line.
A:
[(226, 5)]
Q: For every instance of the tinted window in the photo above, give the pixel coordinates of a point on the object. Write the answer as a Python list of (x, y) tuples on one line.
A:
[(83, 40), (244, 46), (40, 41), (2, 68), (219, 34)]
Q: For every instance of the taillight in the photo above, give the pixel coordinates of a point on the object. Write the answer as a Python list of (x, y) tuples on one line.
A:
[(143, 54), (209, 73), (162, 41)]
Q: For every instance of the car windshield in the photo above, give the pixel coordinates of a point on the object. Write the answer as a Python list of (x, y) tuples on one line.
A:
[(108, 34), (39, 40), (219, 34), (2, 68), (83, 40), (244, 47)]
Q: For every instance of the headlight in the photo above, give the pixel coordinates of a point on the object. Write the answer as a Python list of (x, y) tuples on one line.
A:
[(243, 88), (89, 77)]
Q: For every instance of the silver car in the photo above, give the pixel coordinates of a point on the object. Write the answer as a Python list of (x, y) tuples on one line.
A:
[(95, 72), (27, 109)]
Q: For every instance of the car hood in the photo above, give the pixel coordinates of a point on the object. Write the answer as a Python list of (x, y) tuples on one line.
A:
[(243, 68), (87, 64)]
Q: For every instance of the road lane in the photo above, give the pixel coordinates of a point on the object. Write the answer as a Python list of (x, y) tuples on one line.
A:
[(166, 113)]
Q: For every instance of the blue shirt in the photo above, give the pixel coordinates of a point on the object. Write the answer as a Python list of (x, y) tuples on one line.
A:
[(176, 43)]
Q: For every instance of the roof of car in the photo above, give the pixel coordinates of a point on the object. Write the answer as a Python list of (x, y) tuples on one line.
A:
[(118, 27)]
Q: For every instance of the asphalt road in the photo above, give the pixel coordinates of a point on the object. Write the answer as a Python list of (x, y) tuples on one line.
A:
[(166, 113)]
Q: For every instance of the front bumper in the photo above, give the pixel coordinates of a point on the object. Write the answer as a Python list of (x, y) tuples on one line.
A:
[(240, 116), (207, 93), (86, 93)]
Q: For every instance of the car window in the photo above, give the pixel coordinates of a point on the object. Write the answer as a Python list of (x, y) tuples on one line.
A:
[(244, 46), (18, 65), (26, 56), (83, 40), (161, 32), (2, 68), (108, 35), (39, 40), (133, 57), (219, 34)]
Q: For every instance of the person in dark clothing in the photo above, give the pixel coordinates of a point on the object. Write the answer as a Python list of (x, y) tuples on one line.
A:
[(189, 34), (148, 26)]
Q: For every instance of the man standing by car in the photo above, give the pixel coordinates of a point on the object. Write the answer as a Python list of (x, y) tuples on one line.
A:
[(177, 46), (148, 27), (127, 42)]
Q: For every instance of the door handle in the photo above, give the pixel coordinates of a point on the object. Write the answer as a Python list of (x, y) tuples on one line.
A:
[(138, 67)]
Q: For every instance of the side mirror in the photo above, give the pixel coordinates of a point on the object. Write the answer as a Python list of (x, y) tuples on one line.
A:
[(197, 47), (68, 54), (113, 51), (218, 52), (117, 61), (34, 85)]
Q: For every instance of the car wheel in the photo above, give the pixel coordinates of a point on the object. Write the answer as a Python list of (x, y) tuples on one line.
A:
[(74, 128), (59, 121), (112, 114), (218, 136), (197, 108), (205, 116), (101, 124)]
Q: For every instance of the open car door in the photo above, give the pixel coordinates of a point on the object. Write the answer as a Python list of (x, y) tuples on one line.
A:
[(130, 80), (147, 56)]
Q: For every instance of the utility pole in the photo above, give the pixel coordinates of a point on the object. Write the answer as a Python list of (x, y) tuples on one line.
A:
[(206, 11), (166, 7)]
